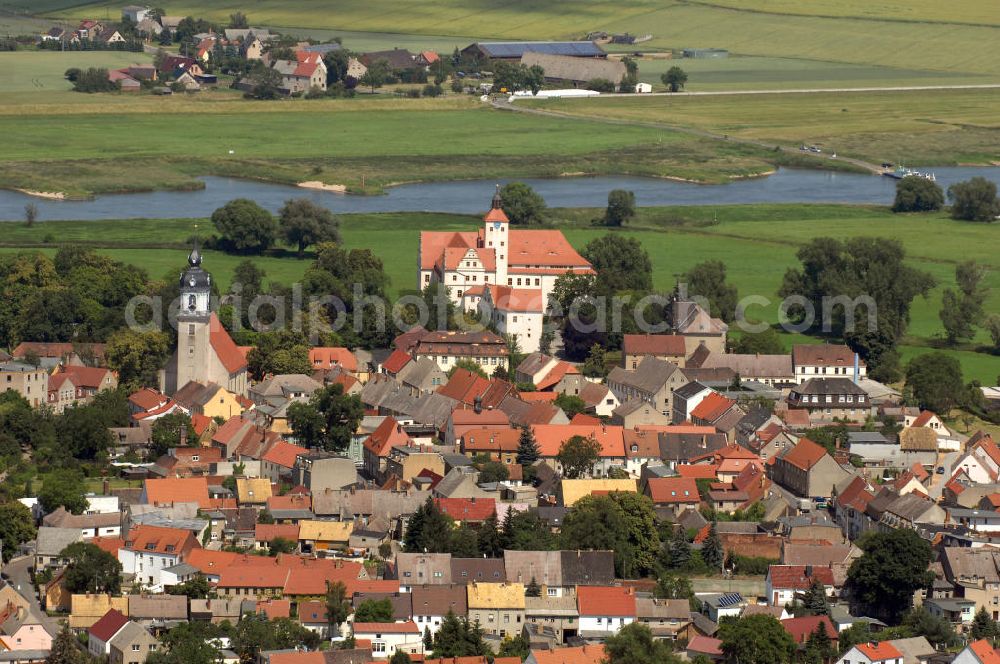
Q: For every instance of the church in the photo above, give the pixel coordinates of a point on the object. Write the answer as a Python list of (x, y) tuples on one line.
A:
[(205, 351), (496, 255)]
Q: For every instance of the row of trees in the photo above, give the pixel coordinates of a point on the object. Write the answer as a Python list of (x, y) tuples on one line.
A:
[(972, 200), (245, 227), (523, 206)]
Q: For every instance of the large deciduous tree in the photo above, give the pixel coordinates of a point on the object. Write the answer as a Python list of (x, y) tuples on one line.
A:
[(245, 226), (974, 200), (304, 222), (621, 207), (522, 204), (137, 356), (708, 280), (894, 565), (577, 455), (756, 639), (328, 420), (935, 379), (91, 569), (621, 521), (961, 309), (915, 194), (621, 264), (16, 527), (634, 644), (675, 79)]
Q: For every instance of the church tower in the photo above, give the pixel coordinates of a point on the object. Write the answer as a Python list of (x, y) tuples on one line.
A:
[(194, 322), (496, 236)]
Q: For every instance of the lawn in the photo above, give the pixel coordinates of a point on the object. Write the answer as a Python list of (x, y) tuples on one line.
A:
[(920, 127), (756, 242), (42, 71), (861, 33)]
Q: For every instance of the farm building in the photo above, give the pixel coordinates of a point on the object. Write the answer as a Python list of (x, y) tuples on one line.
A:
[(515, 50), (575, 70), (705, 53)]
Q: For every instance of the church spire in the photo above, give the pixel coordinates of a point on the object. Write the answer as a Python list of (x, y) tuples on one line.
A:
[(194, 258), (496, 200)]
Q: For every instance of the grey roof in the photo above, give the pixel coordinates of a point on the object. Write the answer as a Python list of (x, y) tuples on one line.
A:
[(824, 386), (484, 570), (577, 69), (552, 514), (285, 384), (292, 514), (129, 633), (588, 568), (24, 655), (545, 567), (417, 373), (564, 606), (688, 390), (533, 363), (367, 502), (423, 568), (154, 519), (437, 600), (691, 518), (704, 623), (910, 507), (675, 609), (650, 376), (752, 365), (580, 49), (52, 540), (181, 569), (863, 437), (161, 607), (62, 518), (684, 446), (323, 48), (629, 407)]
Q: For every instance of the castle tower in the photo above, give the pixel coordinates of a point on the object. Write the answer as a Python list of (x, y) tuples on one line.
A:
[(193, 323), (496, 236)]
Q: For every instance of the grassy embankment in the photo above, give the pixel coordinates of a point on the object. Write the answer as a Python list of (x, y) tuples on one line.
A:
[(757, 242)]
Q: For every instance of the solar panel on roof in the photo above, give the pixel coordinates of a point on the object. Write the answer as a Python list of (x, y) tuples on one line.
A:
[(730, 599), (517, 49)]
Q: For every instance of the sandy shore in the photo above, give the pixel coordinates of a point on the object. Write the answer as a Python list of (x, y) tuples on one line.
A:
[(50, 195), (322, 186)]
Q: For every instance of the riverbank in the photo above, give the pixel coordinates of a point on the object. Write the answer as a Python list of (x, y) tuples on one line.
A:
[(757, 243)]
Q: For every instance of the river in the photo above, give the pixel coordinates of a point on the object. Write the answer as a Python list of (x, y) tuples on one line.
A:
[(785, 186)]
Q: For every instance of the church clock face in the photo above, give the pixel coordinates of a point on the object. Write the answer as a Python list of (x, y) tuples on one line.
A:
[(191, 281)]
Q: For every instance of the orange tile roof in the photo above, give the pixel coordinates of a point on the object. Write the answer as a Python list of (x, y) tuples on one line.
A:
[(712, 407), (275, 608), (605, 601), (239, 576), (492, 439), (225, 348), (89, 377), (922, 419), (408, 627), (588, 654), (794, 576), (395, 362), (538, 396), (801, 628), (805, 454), (701, 471), (289, 502), (919, 471), (108, 544), (177, 490), (156, 539), (265, 532), (464, 386), (147, 398), (327, 357), (200, 423), (556, 374), (705, 645), (467, 509), (283, 453), (879, 652), (551, 436), (673, 490), (582, 419), (298, 657), (654, 344), (388, 435), (507, 298), (985, 652)]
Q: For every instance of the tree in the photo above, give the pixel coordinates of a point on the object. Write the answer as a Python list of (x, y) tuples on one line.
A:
[(137, 357), (91, 569), (893, 566), (814, 599), (526, 531), (936, 629), (265, 83), (916, 194), (489, 538), (974, 200), (518, 646), (961, 309), (634, 644), (708, 280), (509, 77), (303, 223), (280, 545), (188, 643), (16, 527), (533, 589), (711, 550), (755, 639), (675, 78), (621, 264), (767, 342), (256, 634), (983, 626), (819, 647), (596, 365), (374, 610), (493, 472), (30, 214), (468, 365), (679, 550), (239, 20), (935, 380), (570, 403), (429, 529), (621, 521), (527, 447), (621, 207), (94, 79), (245, 226), (400, 657), (457, 637), (600, 85), (279, 352), (577, 455), (857, 269), (672, 586), (65, 648), (328, 420), (172, 430), (63, 488), (522, 204), (338, 604), (376, 75), (196, 587)]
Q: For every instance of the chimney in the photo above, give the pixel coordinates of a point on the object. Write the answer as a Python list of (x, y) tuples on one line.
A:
[(106, 487)]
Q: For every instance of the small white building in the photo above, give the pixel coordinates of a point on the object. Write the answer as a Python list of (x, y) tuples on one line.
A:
[(873, 653), (102, 504), (514, 311), (605, 609), (388, 638), (825, 361)]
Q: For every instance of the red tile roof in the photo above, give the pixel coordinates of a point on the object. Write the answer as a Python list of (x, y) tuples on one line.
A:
[(283, 453), (147, 398), (275, 608), (388, 435), (673, 490), (108, 625), (291, 501), (701, 471), (506, 298), (265, 532), (200, 423), (408, 627), (879, 652), (550, 438), (225, 348), (108, 544), (581, 419), (922, 419), (556, 374), (327, 357), (985, 652), (155, 539), (395, 362), (828, 355), (805, 454), (464, 386), (712, 407), (467, 509), (794, 577), (539, 396), (802, 628), (238, 576), (587, 654), (89, 377), (605, 601), (654, 344), (492, 439), (177, 490), (705, 645)]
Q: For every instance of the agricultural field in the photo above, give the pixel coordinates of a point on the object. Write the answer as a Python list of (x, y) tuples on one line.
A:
[(41, 74), (757, 243), (922, 127), (921, 35)]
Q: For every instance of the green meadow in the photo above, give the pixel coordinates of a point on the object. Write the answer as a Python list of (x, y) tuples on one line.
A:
[(757, 243)]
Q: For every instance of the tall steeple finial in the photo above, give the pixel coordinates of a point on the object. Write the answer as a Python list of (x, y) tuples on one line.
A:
[(496, 199), (194, 258)]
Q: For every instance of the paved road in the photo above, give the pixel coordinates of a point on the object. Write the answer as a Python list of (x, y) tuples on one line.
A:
[(794, 91), (20, 578), (938, 481)]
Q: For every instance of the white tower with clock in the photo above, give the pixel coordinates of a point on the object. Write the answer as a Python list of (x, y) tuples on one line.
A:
[(193, 322), (496, 236)]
